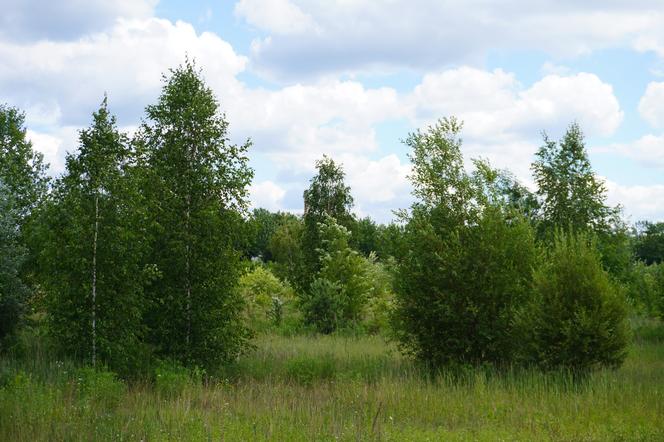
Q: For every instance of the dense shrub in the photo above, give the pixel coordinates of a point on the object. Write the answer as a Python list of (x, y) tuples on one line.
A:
[(469, 262), (577, 319), (267, 298)]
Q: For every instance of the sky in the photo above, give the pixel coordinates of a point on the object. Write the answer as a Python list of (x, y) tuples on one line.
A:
[(352, 78)]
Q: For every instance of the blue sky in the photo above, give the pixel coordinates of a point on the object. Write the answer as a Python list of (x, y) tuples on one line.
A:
[(350, 79)]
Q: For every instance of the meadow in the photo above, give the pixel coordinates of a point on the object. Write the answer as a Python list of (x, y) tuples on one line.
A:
[(304, 388)]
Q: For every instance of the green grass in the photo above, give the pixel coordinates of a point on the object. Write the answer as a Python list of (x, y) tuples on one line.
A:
[(337, 388)]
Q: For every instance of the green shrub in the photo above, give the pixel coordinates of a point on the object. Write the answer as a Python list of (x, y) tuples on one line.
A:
[(645, 288), (100, 387), (469, 258), (577, 318), (171, 378), (267, 298), (458, 291), (322, 307)]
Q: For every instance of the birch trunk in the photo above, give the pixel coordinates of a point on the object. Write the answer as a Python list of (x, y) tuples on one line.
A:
[(94, 282)]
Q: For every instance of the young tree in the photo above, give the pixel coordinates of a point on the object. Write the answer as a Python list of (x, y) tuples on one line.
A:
[(327, 195), (577, 320), (21, 168), (469, 258), (23, 174), (93, 248), (572, 197), (347, 273), (12, 256), (197, 186)]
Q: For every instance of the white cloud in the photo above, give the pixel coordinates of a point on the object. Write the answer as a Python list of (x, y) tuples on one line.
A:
[(651, 105), (66, 19), (54, 146), (647, 150), (127, 61), (639, 201), (503, 119), (365, 35), (267, 195), (278, 16)]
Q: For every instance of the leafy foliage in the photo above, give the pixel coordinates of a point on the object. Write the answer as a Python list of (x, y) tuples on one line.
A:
[(12, 256), (266, 297), (649, 246), (22, 169), (572, 197), (196, 184), (342, 285), (577, 319), (93, 250), (469, 261), (327, 195)]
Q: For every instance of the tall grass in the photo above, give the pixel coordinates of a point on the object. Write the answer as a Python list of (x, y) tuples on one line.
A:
[(337, 388)]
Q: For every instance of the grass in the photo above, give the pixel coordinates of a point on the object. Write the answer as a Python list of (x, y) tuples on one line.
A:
[(337, 388)]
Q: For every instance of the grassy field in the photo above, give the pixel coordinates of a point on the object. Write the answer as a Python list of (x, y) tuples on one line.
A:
[(337, 388)]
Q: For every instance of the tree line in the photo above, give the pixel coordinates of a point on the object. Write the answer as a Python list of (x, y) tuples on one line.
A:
[(144, 250)]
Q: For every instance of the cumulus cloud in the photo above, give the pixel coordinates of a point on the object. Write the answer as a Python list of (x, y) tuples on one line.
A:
[(267, 194), (278, 16), (366, 35), (651, 105), (639, 201), (69, 79), (504, 119), (65, 19), (648, 150)]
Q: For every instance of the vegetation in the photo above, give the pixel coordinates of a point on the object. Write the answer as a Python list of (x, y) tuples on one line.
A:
[(139, 299), (336, 388)]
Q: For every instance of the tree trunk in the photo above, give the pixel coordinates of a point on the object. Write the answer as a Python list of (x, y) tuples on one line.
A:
[(188, 270), (94, 282)]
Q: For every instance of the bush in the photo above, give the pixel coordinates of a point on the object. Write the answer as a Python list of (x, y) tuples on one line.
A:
[(267, 298), (577, 319), (322, 306), (171, 378), (469, 261), (645, 289), (342, 286), (457, 294), (100, 387)]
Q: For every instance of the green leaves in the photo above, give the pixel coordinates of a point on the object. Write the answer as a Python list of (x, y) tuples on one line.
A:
[(196, 185)]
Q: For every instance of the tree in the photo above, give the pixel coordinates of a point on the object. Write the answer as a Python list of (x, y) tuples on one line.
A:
[(12, 255), (93, 248), (197, 186), (364, 237), (327, 195), (572, 197), (649, 246), (285, 248), (577, 319), (468, 261), (21, 168), (349, 287), (24, 184), (263, 225)]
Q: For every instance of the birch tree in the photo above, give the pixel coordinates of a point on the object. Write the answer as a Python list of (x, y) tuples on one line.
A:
[(197, 185), (93, 249)]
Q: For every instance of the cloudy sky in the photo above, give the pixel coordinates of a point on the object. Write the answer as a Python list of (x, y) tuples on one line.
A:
[(351, 78)]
